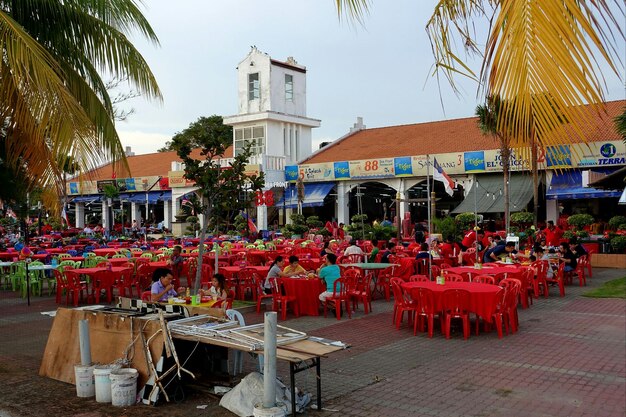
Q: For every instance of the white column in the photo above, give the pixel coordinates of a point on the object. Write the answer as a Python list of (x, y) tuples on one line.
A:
[(288, 213), (552, 210), (134, 212), (342, 213), (167, 214), (80, 216), (105, 215), (404, 206), (261, 217)]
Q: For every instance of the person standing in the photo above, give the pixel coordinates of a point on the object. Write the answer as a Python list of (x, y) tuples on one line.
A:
[(553, 234)]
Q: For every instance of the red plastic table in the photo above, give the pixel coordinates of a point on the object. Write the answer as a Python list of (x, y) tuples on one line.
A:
[(105, 251), (230, 271), (483, 297), (306, 292), (488, 269)]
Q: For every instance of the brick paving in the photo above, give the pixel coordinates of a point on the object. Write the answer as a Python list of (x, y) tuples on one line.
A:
[(568, 359)]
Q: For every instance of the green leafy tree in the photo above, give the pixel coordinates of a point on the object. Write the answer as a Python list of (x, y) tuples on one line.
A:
[(620, 125), (55, 103), (202, 147)]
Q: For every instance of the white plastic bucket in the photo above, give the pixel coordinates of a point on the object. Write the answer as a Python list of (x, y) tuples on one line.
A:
[(123, 387), (85, 386), (101, 375)]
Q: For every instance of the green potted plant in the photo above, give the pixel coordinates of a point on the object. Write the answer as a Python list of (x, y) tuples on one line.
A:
[(579, 221), (465, 221), (618, 243), (617, 222)]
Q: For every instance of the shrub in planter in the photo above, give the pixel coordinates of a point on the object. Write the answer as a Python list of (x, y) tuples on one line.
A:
[(616, 222), (568, 234), (314, 222), (579, 221), (522, 217), (618, 244), (465, 220)]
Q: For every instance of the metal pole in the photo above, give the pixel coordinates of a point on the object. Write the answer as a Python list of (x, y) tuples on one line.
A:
[(84, 342), (430, 269), (269, 364), (476, 216)]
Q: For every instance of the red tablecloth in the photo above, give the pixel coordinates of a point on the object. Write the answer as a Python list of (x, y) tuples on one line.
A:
[(306, 292), (105, 251), (119, 261), (72, 258), (483, 297), (406, 267), (9, 255), (91, 271)]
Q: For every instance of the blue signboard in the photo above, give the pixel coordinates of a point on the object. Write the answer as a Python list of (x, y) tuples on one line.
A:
[(403, 166), (474, 161), (559, 156), (342, 170), (130, 184), (291, 172), (73, 188)]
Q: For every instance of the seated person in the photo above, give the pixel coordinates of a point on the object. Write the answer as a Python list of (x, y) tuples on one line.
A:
[(540, 254), (374, 252), (391, 249), (353, 249), (567, 257), (577, 248), (493, 254), (435, 250), (217, 292), (276, 271), (450, 249), (329, 272), (162, 287), (176, 260), (424, 253), (294, 268)]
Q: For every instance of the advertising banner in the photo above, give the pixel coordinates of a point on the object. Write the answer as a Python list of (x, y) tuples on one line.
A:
[(372, 168), (177, 179)]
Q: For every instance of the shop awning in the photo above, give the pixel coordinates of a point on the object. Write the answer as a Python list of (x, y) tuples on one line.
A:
[(85, 198), (622, 199), (314, 195), (489, 196), (568, 185), (153, 197)]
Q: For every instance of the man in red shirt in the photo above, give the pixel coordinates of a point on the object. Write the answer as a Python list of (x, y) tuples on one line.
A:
[(470, 238), (450, 250), (553, 234)]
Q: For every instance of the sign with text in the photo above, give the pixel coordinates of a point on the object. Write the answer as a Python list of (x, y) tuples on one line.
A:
[(372, 168)]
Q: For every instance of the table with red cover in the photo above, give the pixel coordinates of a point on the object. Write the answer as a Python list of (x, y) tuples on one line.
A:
[(105, 251), (306, 292)]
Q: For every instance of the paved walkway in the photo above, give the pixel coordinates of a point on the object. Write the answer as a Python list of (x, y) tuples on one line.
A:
[(568, 359)]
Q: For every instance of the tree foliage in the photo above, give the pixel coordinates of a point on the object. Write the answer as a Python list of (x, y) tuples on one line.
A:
[(55, 104), (202, 148)]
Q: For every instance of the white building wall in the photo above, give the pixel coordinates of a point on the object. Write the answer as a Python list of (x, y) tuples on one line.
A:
[(278, 100), (255, 62)]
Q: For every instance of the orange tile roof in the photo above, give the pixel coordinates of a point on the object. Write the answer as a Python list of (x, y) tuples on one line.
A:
[(459, 135), (152, 164)]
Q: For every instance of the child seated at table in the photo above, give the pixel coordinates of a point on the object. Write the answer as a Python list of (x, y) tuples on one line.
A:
[(217, 291), (294, 268)]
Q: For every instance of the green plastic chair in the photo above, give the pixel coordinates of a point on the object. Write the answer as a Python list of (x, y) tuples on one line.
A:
[(35, 280), (17, 273), (61, 256), (91, 254), (119, 255)]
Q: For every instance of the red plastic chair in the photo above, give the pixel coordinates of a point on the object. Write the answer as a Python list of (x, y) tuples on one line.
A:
[(143, 278), (62, 285), (359, 289), (456, 305), (125, 282), (581, 266), (102, 281), (540, 284), (383, 281), (260, 291), (558, 278), (246, 284), (425, 308), (499, 316), (527, 288), (589, 268), (484, 279), (340, 295), (421, 266), (512, 287), (402, 303), (75, 287), (419, 278), (146, 296), (435, 270), (281, 301)]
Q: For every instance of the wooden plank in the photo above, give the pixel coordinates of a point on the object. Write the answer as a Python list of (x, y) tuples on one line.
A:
[(109, 335)]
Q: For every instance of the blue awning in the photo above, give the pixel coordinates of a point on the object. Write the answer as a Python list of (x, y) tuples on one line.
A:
[(153, 197), (568, 185), (85, 198), (314, 195)]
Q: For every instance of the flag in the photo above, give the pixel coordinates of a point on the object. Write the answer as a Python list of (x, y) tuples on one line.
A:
[(65, 217), (251, 225), (440, 175), (186, 202)]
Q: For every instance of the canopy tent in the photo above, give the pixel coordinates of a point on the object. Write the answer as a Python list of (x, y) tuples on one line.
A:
[(314, 195), (568, 185), (489, 195)]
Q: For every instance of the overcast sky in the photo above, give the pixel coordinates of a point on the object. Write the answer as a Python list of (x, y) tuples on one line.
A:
[(380, 71)]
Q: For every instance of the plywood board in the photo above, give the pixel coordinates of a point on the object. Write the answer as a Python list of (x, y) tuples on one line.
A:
[(109, 334)]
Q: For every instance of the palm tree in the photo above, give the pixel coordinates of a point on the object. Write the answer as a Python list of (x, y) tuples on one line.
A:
[(54, 102), (488, 115), (620, 124), (542, 58)]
